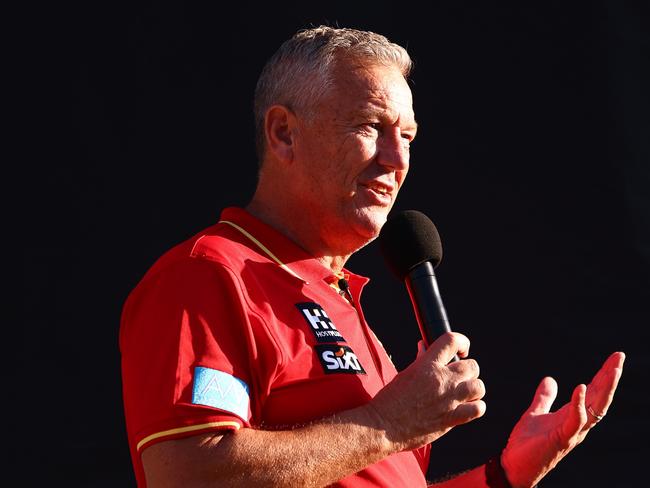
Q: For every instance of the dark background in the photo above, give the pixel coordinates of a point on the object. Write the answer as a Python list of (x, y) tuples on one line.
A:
[(532, 159)]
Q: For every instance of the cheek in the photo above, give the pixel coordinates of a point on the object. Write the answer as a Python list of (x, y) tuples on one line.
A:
[(360, 155), (367, 147)]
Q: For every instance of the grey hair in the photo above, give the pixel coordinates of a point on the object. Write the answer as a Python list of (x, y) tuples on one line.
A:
[(300, 71)]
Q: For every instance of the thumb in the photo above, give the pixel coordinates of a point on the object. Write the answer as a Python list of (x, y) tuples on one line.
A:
[(447, 345), (544, 396)]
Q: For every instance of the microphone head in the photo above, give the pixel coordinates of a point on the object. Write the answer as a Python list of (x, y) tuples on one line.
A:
[(407, 239)]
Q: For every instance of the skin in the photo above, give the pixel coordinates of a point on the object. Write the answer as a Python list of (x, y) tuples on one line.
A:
[(343, 169), (359, 143), (328, 450), (542, 438)]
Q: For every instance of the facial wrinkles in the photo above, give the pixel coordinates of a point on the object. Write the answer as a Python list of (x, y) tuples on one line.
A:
[(398, 122), (372, 98), (391, 105), (382, 90), (388, 104), (363, 96)]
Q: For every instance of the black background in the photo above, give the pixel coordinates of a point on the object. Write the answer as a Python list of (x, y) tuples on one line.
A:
[(532, 159)]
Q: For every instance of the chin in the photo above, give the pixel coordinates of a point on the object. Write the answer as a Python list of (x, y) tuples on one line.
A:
[(368, 223)]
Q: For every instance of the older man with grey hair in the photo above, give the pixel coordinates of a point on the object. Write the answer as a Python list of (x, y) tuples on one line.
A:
[(247, 360)]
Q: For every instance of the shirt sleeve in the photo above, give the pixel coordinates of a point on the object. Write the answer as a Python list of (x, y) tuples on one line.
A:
[(187, 354)]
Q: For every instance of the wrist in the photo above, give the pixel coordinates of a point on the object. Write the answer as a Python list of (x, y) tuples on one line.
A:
[(371, 427), (495, 475)]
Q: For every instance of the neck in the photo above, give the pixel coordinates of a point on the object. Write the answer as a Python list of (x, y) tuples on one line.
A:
[(281, 216)]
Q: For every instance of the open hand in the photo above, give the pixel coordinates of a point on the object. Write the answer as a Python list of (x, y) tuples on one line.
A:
[(542, 438)]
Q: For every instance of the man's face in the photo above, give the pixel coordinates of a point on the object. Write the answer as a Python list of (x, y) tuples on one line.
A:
[(352, 155)]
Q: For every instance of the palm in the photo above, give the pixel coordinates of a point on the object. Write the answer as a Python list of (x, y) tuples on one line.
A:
[(542, 438)]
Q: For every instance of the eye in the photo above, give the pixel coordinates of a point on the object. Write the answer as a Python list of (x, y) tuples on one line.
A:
[(372, 127)]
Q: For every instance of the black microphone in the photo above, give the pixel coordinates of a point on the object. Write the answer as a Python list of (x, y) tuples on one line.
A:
[(344, 286), (411, 247)]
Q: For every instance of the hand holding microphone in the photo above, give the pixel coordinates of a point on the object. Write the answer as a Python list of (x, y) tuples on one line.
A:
[(411, 247), (431, 396), (437, 391)]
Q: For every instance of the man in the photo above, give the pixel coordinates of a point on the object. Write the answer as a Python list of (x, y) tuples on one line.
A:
[(246, 357)]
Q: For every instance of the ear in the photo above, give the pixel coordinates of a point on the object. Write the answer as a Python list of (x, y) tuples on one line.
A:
[(280, 132)]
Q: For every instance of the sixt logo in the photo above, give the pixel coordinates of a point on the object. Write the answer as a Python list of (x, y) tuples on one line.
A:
[(339, 359), (319, 323)]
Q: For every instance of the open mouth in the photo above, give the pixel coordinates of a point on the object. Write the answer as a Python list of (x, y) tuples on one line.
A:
[(379, 188), (379, 193)]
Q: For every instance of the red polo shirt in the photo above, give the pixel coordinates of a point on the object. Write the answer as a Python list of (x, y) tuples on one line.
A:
[(238, 327)]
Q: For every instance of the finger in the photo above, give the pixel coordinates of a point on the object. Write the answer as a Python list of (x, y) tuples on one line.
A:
[(447, 346), (600, 391), (544, 396), (613, 362), (577, 416), (421, 348), (616, 359), (466, 412), (470, 390), (467, 368)]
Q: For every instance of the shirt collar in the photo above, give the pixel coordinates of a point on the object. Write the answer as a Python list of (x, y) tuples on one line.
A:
[(282, 250)]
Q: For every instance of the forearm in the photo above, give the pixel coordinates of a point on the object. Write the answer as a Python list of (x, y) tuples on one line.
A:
[(314, 455), (419, 405)]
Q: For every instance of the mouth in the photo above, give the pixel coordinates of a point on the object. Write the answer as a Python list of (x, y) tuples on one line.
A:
[(382, 192), (378, 187)]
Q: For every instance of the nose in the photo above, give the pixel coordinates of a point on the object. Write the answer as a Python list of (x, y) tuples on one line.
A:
[(393, 150)]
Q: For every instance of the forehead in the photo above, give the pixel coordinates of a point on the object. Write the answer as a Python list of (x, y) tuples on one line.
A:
[(361, 89)]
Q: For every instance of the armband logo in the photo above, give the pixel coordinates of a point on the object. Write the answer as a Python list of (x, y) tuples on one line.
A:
[(217, 389), (319, 322), (338, 359)]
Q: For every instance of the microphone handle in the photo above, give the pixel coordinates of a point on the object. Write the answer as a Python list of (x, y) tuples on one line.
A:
[(427, 304)]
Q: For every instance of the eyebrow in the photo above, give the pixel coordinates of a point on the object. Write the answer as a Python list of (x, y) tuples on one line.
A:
[(371, 111)]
